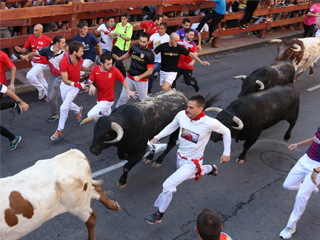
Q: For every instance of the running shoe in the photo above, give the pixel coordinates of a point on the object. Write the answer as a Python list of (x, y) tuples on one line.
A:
[(209, 40), (42, 94), (53, 118), (14, 143), (56, 136), (79, 115), (287, 233), (196, 88), (154, 218), (214, 171), (17, 107)]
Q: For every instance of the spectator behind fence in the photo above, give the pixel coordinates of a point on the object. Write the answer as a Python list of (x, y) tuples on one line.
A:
[(186, 24), (151, 27), (106, 35), (209, 226), (216, 15), (89, 41), (311, 20), (35, 76), (123, 33)]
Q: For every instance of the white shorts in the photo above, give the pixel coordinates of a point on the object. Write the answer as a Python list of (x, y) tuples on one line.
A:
[(167, 76)]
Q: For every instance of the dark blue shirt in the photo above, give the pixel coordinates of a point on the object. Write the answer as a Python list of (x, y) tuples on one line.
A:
[(89, 42)]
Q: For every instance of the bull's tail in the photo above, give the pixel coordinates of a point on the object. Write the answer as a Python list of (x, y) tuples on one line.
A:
[(97, 183), (212, 99)]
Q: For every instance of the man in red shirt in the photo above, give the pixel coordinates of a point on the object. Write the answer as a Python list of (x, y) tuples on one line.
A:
[(5, 61), (35, 75), (151, 26), (105, 75), (186, 63), (70, 67)]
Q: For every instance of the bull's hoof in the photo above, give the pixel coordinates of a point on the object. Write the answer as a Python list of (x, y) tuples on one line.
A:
[(295, 80), (121, 186), (116, 204), (286, 140), (155, 164), (240, 161), (310, 75), (147, 161)]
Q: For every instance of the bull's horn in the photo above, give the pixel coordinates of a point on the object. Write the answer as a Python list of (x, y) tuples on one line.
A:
[(118, 129), (275, 40), (89, 119), (240, 76), (213, 109), (260, 84), (237, 121), (296, 48)]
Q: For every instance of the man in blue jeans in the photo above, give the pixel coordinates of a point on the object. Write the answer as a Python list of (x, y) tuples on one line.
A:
[(157, 39)]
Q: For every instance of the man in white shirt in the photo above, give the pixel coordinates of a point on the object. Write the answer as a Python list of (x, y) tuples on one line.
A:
[(157, 39), (195, 131), (106, 39)]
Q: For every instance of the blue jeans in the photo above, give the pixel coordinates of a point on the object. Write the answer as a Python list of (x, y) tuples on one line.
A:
[(156, 68)]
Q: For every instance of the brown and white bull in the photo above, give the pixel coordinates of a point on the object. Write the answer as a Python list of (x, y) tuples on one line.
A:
[(302, 51), (48, 188)]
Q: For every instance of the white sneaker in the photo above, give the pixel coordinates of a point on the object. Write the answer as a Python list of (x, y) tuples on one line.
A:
[(13, 57), (287, 233), (315, 190)]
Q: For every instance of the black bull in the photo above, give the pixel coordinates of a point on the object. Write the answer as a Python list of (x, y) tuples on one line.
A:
[(259, 111), (280, 73), (139, 122)]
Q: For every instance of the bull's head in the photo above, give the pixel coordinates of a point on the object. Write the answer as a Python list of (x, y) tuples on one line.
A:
[(106, 133), (286, 49), (249, 85), (228, 119)]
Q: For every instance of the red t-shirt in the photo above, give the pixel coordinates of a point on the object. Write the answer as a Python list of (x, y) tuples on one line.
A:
[(73, 71), (185, 60), (150, 28), (105, 82), (36, 44), (4, 61)]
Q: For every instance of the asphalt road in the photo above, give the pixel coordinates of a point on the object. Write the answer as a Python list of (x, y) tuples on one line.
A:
[(249, 197)]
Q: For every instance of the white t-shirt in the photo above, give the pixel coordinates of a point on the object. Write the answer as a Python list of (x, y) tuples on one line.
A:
[(205, 27), (105, 39), (195, 134), (157, 40)]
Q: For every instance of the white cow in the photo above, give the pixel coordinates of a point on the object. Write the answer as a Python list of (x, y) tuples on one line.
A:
[(302, 51), (48, 188)]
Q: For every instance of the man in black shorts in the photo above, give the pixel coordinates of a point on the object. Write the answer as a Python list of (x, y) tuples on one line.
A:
[(170, 54), (141, 67)]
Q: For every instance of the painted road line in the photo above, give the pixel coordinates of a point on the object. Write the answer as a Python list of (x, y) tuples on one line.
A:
[(109, 169), (313, 88)]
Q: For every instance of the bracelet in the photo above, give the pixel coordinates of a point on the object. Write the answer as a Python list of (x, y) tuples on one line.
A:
[(315, 170), (298, 144), (20, 100)]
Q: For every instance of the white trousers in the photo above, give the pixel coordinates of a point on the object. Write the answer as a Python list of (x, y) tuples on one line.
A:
[(317, 35), (103, 106), (68, 94), (36, 78), (186, 169), (168, 77), (86, 63), (301, 171), (140, 87)]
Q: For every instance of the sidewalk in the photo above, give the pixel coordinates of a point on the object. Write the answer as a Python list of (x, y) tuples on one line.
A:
[(224, 43)]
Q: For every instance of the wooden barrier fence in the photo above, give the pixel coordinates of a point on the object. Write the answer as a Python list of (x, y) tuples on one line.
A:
[(76, 10)]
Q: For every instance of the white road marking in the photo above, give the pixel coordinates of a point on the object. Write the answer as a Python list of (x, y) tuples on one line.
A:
[(109, 169), (158, 148), (313, 88)]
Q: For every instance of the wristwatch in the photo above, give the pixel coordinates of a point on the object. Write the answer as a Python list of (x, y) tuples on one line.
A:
[(20, 100)]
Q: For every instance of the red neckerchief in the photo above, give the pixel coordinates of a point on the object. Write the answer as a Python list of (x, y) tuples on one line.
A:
[(202, 114)]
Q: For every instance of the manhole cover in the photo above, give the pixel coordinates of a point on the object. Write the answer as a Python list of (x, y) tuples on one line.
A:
[(277, 161)]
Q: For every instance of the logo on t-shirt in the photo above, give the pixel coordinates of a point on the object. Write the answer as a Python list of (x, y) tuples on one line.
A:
[(141, 55), (109, 75), (189, 135)]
